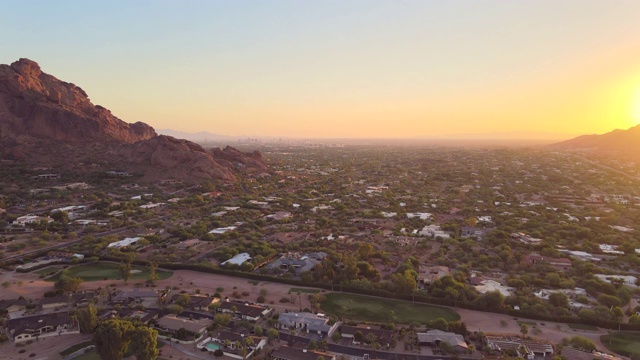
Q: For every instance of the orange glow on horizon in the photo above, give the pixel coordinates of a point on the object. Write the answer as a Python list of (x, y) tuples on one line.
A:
[(635, 112)]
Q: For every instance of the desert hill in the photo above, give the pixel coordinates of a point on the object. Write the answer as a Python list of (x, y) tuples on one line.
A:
[(46, 121), (623, 142)]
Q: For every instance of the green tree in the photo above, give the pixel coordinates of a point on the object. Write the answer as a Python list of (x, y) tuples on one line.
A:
[(608, 300), (559, 300), (257, 330), (60, 216), (125, 270), (222, 319), (582, 343), (492, 300), (618, 313), (87, 319), (524, 330), (183, 300), (153, 273), (439, 324), (67, 283), (144, 343), (111, 338), (272, 334)]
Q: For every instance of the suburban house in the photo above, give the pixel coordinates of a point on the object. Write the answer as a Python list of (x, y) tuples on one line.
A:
[(308, 322), (30, 327), (227, 338), (278, 215), (172, 324), (46, 176), (296, 262), (436, 337), (54, 302), (428, 275), (143, 316), (381, 336), (531, 348), (238, 259), (434, 231), (289, 353), (124, 243), (421, 216), (525, 239), (13, 305), (471, 231), (198, 302), (486, 286), (30, 219), (73, 211), (135, 296), (560, 263), (250, 312)]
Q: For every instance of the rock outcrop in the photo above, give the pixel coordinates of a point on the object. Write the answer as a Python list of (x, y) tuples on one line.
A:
[(44, 120), (36, 104), (233, 157), (171, 157)]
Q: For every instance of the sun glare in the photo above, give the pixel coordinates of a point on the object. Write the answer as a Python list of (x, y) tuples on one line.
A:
[(635, 112)]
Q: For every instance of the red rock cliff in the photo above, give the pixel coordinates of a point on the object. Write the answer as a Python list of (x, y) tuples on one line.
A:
[(39, 105)]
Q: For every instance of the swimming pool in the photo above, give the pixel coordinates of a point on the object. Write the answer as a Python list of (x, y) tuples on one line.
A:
[(212, 346)]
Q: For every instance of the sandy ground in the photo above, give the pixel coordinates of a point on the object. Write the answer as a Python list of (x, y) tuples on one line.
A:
[(554, 332), (31, 287), (45, 349)]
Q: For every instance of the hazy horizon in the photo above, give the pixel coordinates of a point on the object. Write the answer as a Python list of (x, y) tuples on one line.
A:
[(345, 69), (522, 135)]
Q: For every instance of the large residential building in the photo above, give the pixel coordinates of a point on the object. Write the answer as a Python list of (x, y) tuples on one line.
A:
[(307, 322)]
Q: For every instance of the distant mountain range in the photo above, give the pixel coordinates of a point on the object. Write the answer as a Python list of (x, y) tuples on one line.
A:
[(46, 121), (201, 136), (623, 142), (510, 136)]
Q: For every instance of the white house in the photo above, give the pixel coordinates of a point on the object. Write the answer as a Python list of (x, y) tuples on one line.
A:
[(124, 243), (238, 259), (30, 219)]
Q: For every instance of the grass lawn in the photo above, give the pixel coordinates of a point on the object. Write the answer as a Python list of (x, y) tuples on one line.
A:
[(49, 270), (76, 347), (109, 271), (357, 307), (91, 355), (583, 327), (623, 343), (295, 290)]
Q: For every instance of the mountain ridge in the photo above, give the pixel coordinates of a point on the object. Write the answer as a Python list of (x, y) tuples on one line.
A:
[(44, 120), (624, 142)]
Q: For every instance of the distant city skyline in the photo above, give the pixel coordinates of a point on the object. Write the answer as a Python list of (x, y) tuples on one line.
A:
[(344, 69)]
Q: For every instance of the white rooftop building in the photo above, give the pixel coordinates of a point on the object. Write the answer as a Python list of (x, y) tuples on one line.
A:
[(238, 259), (626, 279), (492, 285), (124, 243), (421, 216), (223, 230)]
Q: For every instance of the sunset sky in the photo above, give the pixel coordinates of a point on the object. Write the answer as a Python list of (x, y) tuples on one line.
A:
[(346, 68)]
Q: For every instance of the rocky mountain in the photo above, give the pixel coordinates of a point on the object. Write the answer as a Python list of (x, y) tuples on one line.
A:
[(44, 120), (233, 157), (36, 104), (623, 142)]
